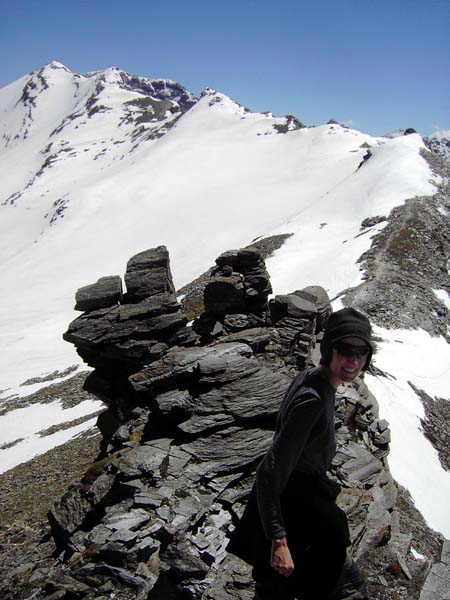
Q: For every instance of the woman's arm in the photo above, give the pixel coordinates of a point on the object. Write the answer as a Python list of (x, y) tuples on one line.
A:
[(274, 471), (280, 557)]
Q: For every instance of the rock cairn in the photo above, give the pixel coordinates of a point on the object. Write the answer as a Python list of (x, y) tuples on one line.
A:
[(185, 427), (236, 296)]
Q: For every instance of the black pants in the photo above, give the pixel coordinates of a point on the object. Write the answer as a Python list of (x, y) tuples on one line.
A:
[(317, 537)]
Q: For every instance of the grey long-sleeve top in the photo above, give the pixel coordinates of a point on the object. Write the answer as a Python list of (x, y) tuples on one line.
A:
[(304, 440)]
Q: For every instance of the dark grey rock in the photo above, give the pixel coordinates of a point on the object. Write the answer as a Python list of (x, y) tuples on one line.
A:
[(257, 395), (292, 305), (101, 486), (99, 535), (316, 294), (236, 322), (220, 364), (380, 432), (239, 285), (201, 424), (106, 292), (182, 562), (126, 521), (357, 465), (378, 526), (228, 258), (143, 284), (371, 221), (175, 402), (319, 296), (176, 463), (160, 511), (233, 581), (149, 259), (232, 449), (148, 274), (437, 584), (227, 362), (256, 337), (145, 459), (150, 307), (225, 295), (249, 257), (124, 536), (121, 575), (153, 498), (68, 513), (64, 582)]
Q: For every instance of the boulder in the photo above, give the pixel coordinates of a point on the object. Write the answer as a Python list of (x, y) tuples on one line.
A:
[(107, 291), (437, 583), (225, 294), (292, 305), (148, 274)]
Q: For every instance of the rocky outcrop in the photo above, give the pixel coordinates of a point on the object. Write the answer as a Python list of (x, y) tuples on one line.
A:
[(118, 334), (236, 296), (439, 146), (407, 260), (182, 436), (437, 583)]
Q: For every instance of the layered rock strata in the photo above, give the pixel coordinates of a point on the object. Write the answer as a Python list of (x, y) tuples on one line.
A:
[(236, 296), (182, 436), (119, 333)]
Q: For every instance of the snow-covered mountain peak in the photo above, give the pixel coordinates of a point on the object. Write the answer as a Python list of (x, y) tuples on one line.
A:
[(54, 117), (54, 64)]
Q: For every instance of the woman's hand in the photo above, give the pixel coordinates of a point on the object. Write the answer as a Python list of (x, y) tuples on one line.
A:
[(281, 559)]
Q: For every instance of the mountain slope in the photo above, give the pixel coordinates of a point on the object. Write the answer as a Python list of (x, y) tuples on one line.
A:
[(98, 167)]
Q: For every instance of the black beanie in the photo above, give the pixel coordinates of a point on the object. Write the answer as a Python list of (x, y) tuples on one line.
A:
[(347, 322)]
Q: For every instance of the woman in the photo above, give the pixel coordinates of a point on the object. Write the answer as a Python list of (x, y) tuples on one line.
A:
[(292, 531)]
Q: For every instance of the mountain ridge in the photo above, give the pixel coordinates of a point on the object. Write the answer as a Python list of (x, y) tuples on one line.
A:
[(218, 178)]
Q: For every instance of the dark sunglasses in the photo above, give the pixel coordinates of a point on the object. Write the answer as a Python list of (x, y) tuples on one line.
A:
[(351, 351)]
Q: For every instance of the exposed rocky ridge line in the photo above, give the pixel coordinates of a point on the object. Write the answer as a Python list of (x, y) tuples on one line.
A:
[(435, 424), (181, 440), (407, 260), (440, 147)]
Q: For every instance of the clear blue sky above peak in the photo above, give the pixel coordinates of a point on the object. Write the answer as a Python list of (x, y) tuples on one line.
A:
[(378, 65)]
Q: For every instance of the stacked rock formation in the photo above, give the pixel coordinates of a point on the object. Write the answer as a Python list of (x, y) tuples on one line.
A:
[(183, 435), (236, 297), (119, 333), (292, 316)]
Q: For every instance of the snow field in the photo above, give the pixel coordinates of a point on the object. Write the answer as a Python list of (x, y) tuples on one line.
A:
[(414, 356)]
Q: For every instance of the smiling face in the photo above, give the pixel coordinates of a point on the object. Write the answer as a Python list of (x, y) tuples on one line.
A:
[(345, 368)]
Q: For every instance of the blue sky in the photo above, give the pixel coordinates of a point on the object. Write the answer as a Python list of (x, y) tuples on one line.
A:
[(378, 65)]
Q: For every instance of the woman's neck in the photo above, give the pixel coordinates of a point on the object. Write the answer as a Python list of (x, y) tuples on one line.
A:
[(334, 381)]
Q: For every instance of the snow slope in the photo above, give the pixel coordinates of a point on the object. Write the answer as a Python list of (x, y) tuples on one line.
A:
[(212, 177), (414, 357)]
